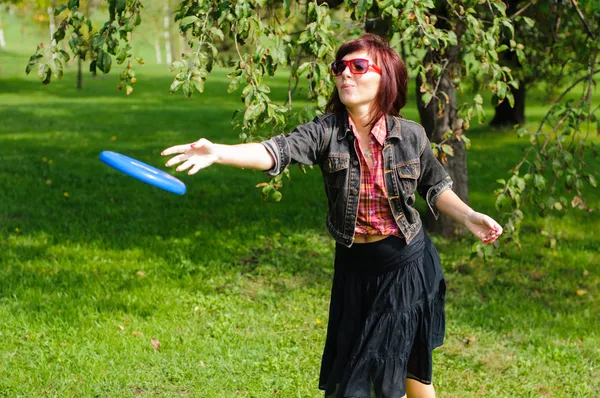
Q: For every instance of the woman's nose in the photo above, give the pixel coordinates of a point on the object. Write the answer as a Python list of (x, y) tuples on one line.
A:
[(346, 72)]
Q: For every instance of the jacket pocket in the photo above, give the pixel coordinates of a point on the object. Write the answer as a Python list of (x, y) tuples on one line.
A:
[(335, 171), (408, 174)]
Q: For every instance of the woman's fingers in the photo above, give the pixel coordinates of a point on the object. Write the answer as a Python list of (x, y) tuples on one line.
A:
[(177, 149), (197, 167), (189, 163), (177, 159)]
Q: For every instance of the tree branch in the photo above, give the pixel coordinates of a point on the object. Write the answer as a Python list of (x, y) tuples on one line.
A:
[(583, 20)]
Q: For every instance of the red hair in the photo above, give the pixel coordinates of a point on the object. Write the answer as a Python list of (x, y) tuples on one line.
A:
[(391, 97)]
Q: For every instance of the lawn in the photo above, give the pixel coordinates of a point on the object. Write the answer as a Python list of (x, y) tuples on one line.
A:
[(110, 287)]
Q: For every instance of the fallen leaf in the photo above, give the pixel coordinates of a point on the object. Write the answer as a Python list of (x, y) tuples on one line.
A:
[(576, 201), (318, 321), (48, 182), (113, 138), (66, 194), (581, 292), (155, 344), (50, 161), (121, 327), (469, 340), (17, 230), (127, 320), (136, 333), (585, 272), (141, 274), (202, 364), (196, 308)]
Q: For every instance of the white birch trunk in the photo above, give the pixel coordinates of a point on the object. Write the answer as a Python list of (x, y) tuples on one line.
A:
[(2, 41), (52, 26), (166, 33), (157, 49)]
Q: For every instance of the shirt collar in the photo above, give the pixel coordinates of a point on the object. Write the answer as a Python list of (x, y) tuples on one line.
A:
[(378, 131)]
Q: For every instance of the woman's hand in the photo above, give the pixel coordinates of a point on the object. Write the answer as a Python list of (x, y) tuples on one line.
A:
[(199, 154), (483, 227)]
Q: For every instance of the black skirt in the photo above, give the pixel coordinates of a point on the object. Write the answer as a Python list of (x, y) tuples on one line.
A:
[(385, 317)]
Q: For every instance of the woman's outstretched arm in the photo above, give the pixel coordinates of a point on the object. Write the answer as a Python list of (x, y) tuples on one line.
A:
[(203, 153)]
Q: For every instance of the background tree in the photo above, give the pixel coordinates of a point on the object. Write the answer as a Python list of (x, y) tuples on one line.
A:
[(555, 169), (444, 43)]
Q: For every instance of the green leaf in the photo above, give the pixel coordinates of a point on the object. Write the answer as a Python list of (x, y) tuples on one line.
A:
[(60, 9), (72, 4), (426, 98), (217, 32), (177, 65), (188, 89), (466, 140), (286, 7), (540, 182), (447, 149), (478, 99), (252, 112), (592, 180), (511, 99), (33, 60), (121, 56), (188, 20), (59, 35), (104, 61), (264, 88), (304, 67), (120, 5), (176, 85), (235, 84), (198, 82)]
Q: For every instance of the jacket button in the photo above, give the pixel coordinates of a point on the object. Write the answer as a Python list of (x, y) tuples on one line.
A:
[(355, 191), (355, 163)]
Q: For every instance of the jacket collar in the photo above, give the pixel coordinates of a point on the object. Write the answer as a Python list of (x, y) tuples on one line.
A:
[(393, 127)]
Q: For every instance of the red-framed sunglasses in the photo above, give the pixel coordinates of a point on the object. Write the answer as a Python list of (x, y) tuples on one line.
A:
[(358, 66)]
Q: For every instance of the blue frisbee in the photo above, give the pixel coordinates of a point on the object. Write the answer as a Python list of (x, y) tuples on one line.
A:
[(143, 172)]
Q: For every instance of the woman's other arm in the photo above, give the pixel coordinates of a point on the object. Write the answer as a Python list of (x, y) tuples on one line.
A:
[(481, 225)]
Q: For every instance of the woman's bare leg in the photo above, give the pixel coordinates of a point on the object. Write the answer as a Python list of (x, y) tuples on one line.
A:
[(415, 389)]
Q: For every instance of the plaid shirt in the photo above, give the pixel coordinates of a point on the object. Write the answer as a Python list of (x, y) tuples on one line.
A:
[(374, 213)]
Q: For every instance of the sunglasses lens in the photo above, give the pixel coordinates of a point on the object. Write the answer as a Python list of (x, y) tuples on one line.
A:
[(360, 66), (338, 67)]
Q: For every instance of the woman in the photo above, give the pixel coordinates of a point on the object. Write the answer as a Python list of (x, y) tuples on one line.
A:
[(387, 303)]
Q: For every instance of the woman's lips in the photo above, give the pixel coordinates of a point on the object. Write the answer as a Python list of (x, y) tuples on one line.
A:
[(347, 85)]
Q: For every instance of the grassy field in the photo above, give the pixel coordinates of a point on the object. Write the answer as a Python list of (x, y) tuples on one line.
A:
[(96, 269)]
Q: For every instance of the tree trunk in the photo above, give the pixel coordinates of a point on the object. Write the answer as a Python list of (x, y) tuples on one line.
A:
[(507, 116), (2, 41), (157, 45), (79, 74), (167, 34), (52, 24), (436, 125)]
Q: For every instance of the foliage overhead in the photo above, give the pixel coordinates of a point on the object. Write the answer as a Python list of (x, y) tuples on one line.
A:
[(467, 38)]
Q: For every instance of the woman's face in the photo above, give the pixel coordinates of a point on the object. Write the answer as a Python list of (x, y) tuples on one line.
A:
[(356, 90)]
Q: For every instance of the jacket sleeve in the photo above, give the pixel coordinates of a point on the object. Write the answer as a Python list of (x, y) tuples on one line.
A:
[(304, 145), (434, 178)]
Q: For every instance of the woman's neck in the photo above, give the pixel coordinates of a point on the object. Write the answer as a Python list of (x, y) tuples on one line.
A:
[(361, 117)]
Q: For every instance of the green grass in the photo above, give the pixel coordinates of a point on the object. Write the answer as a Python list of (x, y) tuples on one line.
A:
[(93, 265)]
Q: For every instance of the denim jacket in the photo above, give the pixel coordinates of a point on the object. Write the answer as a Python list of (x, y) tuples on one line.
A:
[(408, 161)]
